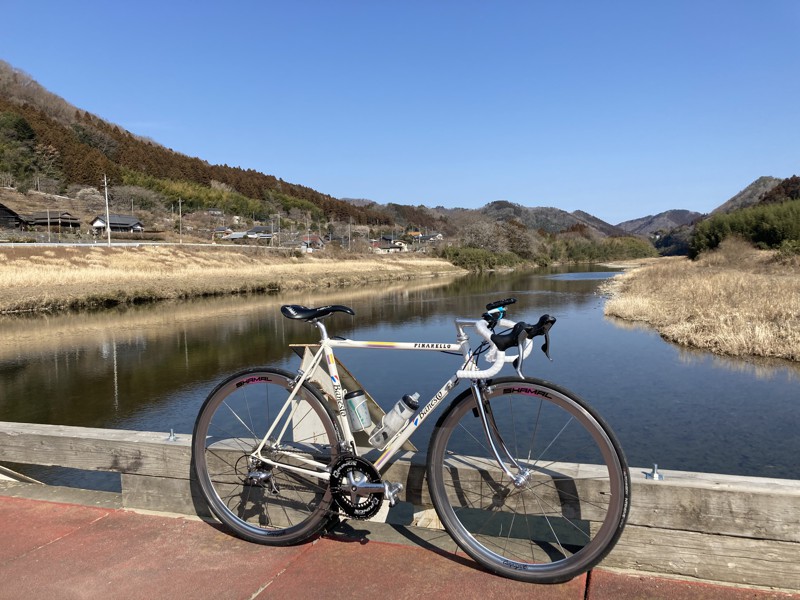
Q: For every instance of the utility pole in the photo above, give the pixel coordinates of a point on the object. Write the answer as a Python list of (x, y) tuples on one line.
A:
[(108, 216), (180, 221)]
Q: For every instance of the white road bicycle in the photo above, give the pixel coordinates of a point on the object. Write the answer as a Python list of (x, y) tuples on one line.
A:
[(524, 475)]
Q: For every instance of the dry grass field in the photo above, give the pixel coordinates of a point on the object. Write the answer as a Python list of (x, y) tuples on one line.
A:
[(736, 301), (42, 278)]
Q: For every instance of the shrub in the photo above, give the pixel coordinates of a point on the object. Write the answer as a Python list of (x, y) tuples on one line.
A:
[(477, 259), (765, 225)]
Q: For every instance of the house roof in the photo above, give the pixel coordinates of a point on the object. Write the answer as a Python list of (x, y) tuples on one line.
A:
[(118, 220), (4, 208), (53, 215), (7, 213)]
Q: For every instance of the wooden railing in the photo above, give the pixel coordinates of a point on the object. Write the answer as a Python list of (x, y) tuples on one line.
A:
[(742, 530)]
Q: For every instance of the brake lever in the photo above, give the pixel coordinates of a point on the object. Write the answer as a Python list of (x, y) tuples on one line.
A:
[(542, 327), (546, 345)]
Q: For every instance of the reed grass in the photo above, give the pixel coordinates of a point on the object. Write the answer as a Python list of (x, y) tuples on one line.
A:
[(736, 301), (36, 279)]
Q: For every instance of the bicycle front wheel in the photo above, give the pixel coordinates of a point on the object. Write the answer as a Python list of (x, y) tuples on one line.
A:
[(282, 496), (568, 500)]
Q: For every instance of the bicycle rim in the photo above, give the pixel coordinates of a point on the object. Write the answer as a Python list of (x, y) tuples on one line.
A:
[(572, 504), (260, 502)]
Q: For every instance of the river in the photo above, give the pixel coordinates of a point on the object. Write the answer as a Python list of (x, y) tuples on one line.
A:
[(150, 367)]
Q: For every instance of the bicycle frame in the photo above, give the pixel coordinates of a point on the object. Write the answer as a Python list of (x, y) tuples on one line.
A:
[(325, 350)]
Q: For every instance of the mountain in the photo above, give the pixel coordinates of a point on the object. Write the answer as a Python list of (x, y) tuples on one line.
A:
[(48, 140), (549, 219), (599, 225), (749, 195), (51, 146), (660, 223)]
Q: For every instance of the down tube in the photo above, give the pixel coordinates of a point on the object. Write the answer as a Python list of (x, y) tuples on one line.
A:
[(411, 427)]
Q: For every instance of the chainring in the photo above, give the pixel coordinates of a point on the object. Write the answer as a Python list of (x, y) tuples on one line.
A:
[(346, 474)]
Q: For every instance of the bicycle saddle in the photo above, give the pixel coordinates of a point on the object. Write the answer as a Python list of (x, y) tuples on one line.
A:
[(303, 313)]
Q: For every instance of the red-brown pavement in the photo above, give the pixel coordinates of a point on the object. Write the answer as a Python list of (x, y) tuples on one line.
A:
[(65, 551)]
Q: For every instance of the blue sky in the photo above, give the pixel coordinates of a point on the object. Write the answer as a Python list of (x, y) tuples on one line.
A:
[(618, 108)]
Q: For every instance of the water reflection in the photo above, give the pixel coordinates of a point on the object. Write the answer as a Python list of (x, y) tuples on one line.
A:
[(151, 367), (758, 367)]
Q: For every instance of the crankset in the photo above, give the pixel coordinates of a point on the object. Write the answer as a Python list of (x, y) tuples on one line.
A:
[(357, 487)]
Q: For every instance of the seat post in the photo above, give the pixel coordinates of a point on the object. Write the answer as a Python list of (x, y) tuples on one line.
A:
[(323, 332)]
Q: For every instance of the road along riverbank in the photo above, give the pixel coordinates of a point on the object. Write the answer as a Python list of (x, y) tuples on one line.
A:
[(53, 278), (737, 301)]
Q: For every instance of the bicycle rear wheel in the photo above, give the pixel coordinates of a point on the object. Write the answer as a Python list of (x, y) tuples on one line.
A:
[(572, 495), (268, 503)]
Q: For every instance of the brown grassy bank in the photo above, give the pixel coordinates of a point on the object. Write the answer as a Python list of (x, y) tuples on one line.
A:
[(63, 278), (736, 301)]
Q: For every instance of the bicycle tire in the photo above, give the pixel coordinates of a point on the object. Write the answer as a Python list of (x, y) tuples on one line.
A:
[(571, 511), (264, 504)]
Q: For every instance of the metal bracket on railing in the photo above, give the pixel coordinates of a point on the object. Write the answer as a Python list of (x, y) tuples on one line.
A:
[(654, 474)]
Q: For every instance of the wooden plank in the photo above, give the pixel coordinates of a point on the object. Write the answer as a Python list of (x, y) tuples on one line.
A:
[(712, 557), (753, 507), (7, 474), (163, 494), (121, 451)]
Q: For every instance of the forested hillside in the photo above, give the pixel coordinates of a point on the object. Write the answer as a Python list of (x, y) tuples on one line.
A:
[(50, 146), (660, 224), (772, 222), (48, 139)]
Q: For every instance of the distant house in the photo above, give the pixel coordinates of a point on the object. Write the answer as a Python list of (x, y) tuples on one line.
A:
[(312, 242), (342, 241), (54, 218), (119, 223), (261, 232), (221, 232), (434, 237), (8, 218), (387, 245), (235, 235)]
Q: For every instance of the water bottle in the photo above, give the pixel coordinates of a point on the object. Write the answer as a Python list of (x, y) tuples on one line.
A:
[(357, 410), (394, 420)]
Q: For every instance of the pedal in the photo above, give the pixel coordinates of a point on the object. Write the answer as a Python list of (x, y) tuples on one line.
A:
[(391, 491)]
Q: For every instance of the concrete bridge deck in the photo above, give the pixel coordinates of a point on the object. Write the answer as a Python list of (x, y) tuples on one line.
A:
[(729, 531)]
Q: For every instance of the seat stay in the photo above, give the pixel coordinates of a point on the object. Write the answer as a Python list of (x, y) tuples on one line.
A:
[(303, 376)]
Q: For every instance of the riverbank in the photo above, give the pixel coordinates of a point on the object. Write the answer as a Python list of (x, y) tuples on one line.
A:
[(736, 301), (59, 278)]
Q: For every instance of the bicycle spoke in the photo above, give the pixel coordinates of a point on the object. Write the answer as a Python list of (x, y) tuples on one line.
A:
[(262, 497), (561, 513)]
